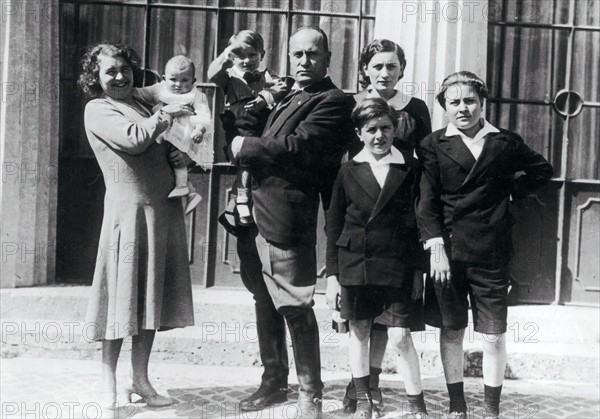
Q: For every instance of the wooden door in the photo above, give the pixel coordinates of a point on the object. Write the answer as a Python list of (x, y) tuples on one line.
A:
[(543, 71)]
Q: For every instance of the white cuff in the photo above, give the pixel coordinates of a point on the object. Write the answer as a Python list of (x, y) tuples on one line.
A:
[(429, 243), (236, 146)]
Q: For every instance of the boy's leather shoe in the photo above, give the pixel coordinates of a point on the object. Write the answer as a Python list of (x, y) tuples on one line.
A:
[(263, 398), (310, 408), (456, 415), (349, 400), (364, 410)]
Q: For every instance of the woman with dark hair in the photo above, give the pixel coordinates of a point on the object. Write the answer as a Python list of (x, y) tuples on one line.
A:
[(381, 66), (142, 276)]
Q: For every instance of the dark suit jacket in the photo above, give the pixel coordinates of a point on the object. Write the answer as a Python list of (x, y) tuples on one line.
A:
[(295, 161), (372, 236), (467, 202)]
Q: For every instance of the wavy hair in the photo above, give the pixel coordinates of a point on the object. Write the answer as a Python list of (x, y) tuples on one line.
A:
[(89, 80), (376, 46)]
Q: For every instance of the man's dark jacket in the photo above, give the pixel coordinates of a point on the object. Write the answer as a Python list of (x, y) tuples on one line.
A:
[(296, 160)]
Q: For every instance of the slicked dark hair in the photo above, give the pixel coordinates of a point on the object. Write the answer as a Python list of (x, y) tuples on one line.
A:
[(462, 77), (372, 108)]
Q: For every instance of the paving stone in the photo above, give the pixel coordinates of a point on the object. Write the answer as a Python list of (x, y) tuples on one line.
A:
[(33, 388)]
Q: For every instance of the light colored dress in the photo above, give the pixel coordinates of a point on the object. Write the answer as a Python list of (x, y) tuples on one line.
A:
[(142, 276)]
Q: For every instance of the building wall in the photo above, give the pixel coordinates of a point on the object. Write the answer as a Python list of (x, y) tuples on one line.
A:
[(30, 133), (438, 37)]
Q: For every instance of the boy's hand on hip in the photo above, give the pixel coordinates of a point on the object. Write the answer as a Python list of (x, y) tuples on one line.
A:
[(440, 265), (332, 292)]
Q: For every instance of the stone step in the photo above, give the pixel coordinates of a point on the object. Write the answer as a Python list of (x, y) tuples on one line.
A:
[(544, 342)]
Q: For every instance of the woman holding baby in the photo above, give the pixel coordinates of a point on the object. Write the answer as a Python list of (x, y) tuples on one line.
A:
[(142, 277)]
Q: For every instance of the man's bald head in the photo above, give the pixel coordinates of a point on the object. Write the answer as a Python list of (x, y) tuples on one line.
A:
[(309, 55), (323, 39)]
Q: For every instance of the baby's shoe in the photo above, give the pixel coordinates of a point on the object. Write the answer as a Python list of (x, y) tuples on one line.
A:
[(179, 191), (192, 199)]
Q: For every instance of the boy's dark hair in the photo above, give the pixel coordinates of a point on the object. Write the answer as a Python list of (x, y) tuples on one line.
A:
[(462, 77), (89, 80), (376, 46), (252, 38), (372, 108)]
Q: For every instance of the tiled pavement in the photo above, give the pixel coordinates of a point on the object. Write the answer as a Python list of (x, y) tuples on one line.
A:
[(57, 388)]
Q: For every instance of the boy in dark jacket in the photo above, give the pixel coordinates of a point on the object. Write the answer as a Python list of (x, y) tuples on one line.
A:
[(469, 175), (374, 259), (250, 95)]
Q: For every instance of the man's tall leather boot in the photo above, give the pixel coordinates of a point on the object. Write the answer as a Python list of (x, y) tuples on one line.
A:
[(270, 328), (304, 332)]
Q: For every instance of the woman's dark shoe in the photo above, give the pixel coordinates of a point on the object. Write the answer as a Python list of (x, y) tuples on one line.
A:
[(263, 398)]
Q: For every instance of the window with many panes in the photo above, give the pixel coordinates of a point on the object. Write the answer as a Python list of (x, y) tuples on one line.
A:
[(200, 29), (535, 49)]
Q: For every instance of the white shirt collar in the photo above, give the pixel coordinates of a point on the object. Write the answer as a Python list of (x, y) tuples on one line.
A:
[(399, 101), (395, 156), (487, 128), (296, 86)]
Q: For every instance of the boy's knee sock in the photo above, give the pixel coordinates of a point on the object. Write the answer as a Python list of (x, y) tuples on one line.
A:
[(416, 403), (457, 397), (363, 393), (491, 399), (374, 377)]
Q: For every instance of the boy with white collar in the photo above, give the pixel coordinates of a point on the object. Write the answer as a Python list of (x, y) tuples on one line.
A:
[(469, 175), (374, 259), (250, 95)]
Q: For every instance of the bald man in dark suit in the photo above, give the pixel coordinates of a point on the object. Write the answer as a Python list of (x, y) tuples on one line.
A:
[(294, 164)]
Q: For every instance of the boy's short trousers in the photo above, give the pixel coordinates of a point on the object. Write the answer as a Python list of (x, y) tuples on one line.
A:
[(487, 288), (391, 306)]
